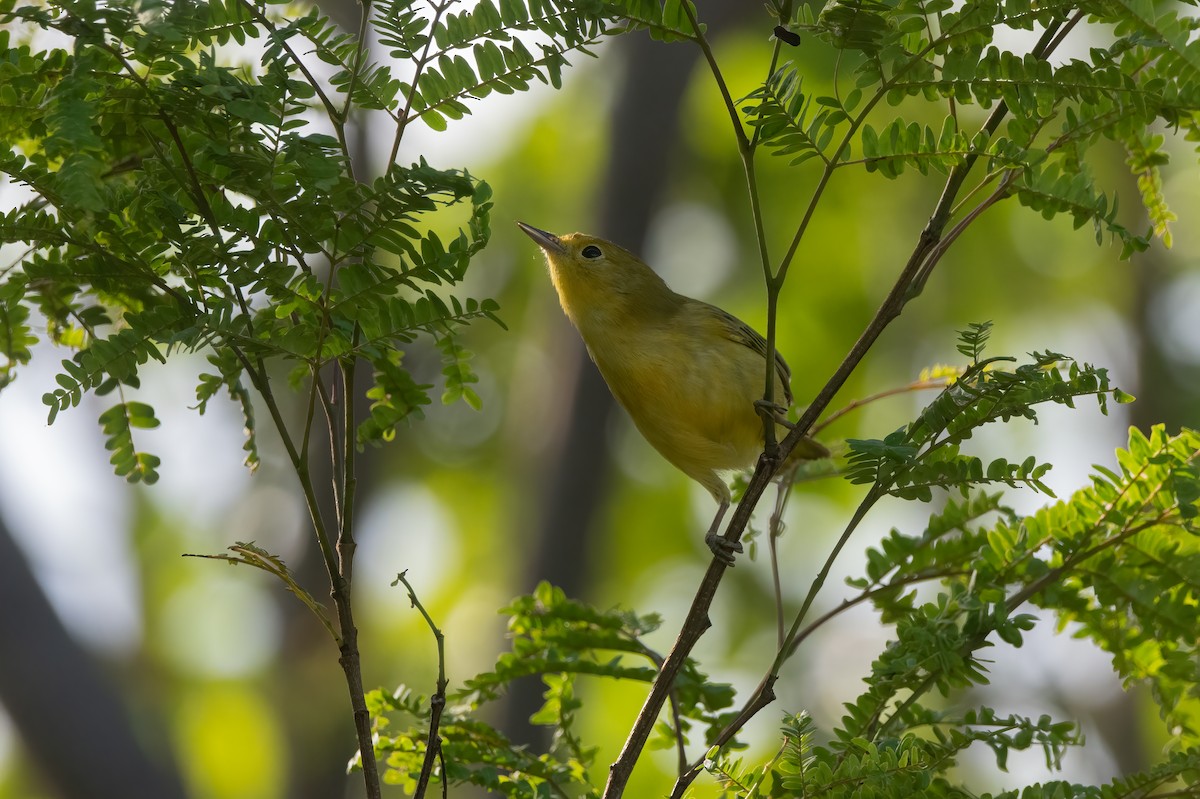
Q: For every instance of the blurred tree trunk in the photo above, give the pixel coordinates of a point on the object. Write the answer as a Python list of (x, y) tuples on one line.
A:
[(79, 736), (1166, 390)]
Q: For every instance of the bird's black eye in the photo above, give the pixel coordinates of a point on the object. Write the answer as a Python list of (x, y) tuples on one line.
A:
[(591, 251)]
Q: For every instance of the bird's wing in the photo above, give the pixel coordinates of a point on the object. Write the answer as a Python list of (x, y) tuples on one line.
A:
[(737, 330)]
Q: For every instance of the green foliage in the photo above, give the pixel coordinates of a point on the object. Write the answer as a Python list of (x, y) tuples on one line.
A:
[(469, 54), (560, 640), (177, 203), (118, 423), (914, 765), (665, 20), (915, 55), (1126, 554), (15, 336), (1116, 561), (912, 461)]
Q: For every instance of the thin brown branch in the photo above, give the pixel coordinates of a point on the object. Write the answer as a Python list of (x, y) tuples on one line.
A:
[(676, 716), (783, 490), (342, 578), (916, 385), (437, 703)]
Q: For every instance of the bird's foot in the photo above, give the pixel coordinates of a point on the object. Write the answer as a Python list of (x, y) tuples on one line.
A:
[(773, 411), (722, 548)]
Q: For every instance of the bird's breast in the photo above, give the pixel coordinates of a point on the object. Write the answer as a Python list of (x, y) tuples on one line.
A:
[(691, 397)]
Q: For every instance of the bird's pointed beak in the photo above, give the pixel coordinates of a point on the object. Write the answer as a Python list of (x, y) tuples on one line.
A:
[(547, 241)]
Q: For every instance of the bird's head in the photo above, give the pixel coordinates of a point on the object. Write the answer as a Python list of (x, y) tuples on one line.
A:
[(594, 277)]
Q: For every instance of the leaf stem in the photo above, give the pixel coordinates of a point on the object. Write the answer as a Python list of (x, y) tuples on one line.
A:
[(423, 60)]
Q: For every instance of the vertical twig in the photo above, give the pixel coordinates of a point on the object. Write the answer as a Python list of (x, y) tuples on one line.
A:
[(746, 147), (437, 703), (341, 577), (774, 531)]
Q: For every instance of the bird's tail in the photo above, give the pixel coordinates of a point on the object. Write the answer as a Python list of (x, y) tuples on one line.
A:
[(807, 449)]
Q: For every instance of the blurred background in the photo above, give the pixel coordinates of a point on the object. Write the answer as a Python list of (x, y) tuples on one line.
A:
[(128, 670)]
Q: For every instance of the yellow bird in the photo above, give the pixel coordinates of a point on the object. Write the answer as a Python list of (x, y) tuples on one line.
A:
[(689, 374)]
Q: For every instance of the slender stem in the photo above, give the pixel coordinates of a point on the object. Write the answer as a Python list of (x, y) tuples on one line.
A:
[(865, 596), (1000, 192), (773, 288), (786, 649), (337, 480), (775, 530), (342, 580), (718, 78), (346, 542), (330, 109), (299, 460), (311, 405), (1064, 31), (437, 703), (402, 121), (785, 13), (916, 385), (746, 148), (359, 53)]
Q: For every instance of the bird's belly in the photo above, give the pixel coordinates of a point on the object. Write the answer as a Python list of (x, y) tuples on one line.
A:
[(692, 410)]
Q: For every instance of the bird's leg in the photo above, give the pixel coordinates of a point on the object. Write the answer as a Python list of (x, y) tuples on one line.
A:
[(774, 411), (722, 548)]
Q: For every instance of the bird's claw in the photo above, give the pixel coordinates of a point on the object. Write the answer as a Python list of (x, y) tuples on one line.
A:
[(774, 411), (722, 548)]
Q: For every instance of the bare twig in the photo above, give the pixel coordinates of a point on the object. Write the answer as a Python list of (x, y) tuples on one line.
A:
[(437, 703), (248, 554), (774, 531), (916, 385)]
